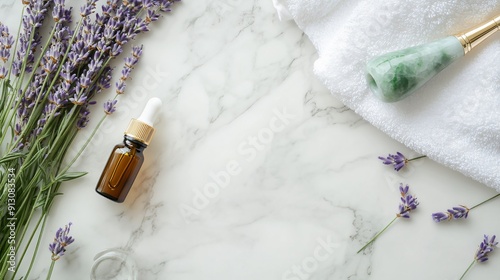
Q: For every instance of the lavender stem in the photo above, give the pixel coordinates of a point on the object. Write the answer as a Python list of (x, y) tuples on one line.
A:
[(491, 198), (44, 49), (52, 83), (33, 75), (468, 268), (29, 241), (417, 158), (25, 62), (17, 39), (84, 145), (36, 248), (377, 235), (49, 274)]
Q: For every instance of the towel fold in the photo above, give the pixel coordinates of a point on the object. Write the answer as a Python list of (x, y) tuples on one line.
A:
[(455, 118)]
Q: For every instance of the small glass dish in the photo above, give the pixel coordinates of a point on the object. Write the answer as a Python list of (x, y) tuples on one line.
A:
[(113, 264)]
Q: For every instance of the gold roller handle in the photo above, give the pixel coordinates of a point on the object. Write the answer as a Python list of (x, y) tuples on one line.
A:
[(473, 37)]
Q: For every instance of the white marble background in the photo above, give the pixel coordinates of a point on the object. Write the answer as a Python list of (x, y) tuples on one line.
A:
[(306, 190)]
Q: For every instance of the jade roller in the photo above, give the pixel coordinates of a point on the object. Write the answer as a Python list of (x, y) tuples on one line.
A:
[(394, 76)]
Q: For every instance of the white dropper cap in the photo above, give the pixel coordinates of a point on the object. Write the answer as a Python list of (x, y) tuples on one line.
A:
[(141, 129), (151, 111)]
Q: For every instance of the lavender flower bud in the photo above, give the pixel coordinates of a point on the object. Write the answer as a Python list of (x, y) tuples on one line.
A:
[(109, 106), (116, 50), (53, 53), (440, 216), (165, 4), (66, 73), (61, 36), (88, 8), (102, 47), (108, 33), (457, 212), (60, 97), (6, 40), (403, 190), (67, 15), (121, 12), (100, 19), (57, 13), (121, 39), (104, 81), (141, 26), (408, 202), (19, 147), (95, 64), (487, 246), (83, 118), (61, 241), (120, 87), (3, 72), (398, 160), (50, 109), (147, 3), (90, 41), (137, 52), (78, 99), (49, 66), (16, 68), (84, 80), (17, 129), (125, 73), (152, 15)]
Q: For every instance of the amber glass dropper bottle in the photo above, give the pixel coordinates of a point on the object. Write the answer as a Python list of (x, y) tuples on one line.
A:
[(126, 159)]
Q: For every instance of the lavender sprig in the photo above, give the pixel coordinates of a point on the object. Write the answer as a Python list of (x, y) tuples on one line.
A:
[(61, 241), (485, 248), (408, 204), (58, 247), (458, 212), (398, 160), (44, 110), (130, 62), (6, 42)]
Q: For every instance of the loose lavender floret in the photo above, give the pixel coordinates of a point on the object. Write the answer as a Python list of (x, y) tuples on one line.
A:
[(398, 160), (408, 202), (61, 241), (486, 247), (457, 212)]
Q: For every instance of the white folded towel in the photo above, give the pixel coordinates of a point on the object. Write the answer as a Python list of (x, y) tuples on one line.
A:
[(455, 118)]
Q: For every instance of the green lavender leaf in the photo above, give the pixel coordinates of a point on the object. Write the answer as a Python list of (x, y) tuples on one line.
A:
[(11, 157), (70, 176)]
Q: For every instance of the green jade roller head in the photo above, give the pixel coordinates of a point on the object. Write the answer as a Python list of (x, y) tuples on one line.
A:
[(394, 76)]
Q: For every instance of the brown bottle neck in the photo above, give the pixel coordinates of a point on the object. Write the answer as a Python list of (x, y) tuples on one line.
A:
[(130, 141)]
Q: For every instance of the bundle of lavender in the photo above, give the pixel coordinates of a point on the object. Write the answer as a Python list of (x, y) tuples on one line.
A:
[(47, 87)]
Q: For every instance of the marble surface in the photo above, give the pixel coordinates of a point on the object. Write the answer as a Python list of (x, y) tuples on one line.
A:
[(256, 171)]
